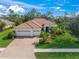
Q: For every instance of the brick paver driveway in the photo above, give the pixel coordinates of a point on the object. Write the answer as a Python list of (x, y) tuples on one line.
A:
[(22, 48)]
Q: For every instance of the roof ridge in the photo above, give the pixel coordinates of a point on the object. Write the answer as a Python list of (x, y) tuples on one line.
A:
[(29, 24), (36, 24)]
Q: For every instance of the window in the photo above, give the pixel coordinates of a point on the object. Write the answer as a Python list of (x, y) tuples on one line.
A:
[(42, 28), (36, 30), (47, 29), (23, 31)]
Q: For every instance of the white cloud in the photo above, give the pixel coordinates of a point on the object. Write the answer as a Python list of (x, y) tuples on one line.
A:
[(58, 9), (42, 4), (77, 13), (55, 8), (16, 8), (62, 10), (2, 7), (60, 4), (7, 0)]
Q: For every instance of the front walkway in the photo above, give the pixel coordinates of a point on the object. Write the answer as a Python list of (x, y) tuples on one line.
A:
[(19, 49)]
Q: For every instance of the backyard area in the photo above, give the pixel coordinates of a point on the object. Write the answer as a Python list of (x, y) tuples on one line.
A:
[(5, 39), (57, 55)]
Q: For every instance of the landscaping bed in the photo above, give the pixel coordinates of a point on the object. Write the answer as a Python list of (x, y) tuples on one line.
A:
[(57, 55), (61, 41)]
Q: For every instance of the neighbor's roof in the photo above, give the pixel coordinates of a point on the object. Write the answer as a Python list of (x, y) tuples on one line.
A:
[(35, 23), (7, 21)]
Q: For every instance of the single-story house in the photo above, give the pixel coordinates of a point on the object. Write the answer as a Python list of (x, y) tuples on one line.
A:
[(33, 27)]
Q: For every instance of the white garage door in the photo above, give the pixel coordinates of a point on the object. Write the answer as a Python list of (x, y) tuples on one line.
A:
[(36, 32), (24, 33), (30, 32)]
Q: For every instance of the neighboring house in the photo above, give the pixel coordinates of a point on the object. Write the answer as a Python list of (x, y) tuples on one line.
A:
[(34, 27), (8, 23)]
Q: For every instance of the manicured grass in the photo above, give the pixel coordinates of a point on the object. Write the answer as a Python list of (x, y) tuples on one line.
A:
[(3, 40), (57, 55), (57, 45)]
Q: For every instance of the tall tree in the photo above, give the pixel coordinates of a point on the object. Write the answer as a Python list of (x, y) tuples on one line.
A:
[(30, 15), (17, 19)]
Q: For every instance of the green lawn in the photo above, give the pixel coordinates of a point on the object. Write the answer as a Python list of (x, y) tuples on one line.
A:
[(3, 40), (57, 55), (57, 45)]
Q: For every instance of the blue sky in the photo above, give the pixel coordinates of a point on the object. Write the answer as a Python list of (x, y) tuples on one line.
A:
[(57, 7)]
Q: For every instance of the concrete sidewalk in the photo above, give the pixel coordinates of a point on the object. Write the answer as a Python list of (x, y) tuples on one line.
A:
[(57, 50), (2, 49), (19, 49)]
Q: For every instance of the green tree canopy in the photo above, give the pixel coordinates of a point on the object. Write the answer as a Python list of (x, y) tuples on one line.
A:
[(2, 25)]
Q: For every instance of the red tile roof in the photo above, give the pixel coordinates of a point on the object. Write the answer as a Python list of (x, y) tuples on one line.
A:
[(35, 23)]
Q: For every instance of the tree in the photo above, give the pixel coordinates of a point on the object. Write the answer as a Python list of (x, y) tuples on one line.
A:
[(17, 19), (74, 26), (49, 15), (2, 25), (30, 15), (55, 31), (44, 37)]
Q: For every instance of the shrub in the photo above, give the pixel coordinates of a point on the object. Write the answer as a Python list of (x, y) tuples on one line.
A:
[(65, 40), (55, 31), (44, 38), (11, 35), (41, 41)]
